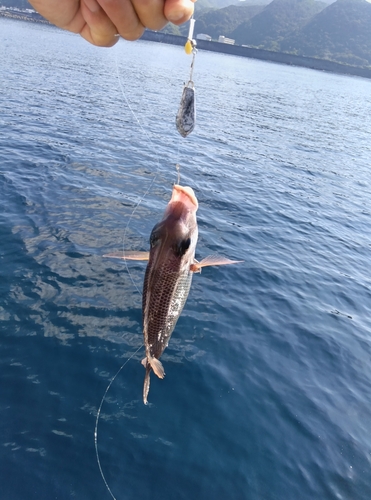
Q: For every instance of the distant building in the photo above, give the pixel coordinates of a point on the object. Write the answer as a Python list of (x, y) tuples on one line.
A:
[(223, 39), (202, 36)]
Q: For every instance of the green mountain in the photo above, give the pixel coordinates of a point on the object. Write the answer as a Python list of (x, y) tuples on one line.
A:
[(220, 4), (341, 32), (276, 22), (222, 21), (335, 30)]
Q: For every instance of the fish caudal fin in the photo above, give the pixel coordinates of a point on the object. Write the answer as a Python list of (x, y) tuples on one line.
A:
[(146, 384), (212, 260)]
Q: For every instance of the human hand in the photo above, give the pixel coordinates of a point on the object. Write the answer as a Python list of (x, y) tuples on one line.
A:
[(101, 21)]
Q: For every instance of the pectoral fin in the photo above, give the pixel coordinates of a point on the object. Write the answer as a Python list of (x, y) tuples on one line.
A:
[(212, 260), (128, 255)]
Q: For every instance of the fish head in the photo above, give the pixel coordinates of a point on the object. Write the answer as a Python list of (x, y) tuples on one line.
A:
[(174, 239)]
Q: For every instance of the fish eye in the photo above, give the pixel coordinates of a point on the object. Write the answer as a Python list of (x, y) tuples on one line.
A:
[(182, 247), (153, 239), (186, 244)]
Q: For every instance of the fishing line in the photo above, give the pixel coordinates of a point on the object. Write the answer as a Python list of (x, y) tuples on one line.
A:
[(185, 122), (151, 183), (124, 239), (98, 416)]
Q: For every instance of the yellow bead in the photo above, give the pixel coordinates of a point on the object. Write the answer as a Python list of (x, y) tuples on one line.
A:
[(188, 47)]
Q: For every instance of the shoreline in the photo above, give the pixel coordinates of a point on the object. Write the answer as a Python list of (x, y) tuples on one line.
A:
[(223, 48), (23, 15), (261, 54)]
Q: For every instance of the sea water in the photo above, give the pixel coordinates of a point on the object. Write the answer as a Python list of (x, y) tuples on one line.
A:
[(268, 374)]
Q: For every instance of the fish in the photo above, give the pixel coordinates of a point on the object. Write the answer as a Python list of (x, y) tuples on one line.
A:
[(168, 276)]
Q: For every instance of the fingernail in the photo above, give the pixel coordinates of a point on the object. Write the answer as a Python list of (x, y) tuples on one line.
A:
[(175, 16), (92, 5)]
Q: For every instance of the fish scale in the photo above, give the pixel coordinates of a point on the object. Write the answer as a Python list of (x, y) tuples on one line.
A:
[(164, 304)]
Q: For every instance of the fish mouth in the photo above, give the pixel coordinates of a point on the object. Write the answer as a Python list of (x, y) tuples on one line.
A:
[(184, 195)]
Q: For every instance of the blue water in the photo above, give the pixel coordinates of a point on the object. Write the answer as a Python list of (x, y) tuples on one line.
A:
[(268, 375)]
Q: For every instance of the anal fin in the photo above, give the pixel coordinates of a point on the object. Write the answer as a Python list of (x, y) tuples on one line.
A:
[(157, 367)]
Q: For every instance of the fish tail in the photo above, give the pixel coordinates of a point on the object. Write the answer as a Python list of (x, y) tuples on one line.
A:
[(146, 384)]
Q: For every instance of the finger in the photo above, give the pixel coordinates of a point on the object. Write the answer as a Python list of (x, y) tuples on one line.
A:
[(178, 11), (127, 22), (61, 14), (151, 13), (99, 29)]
